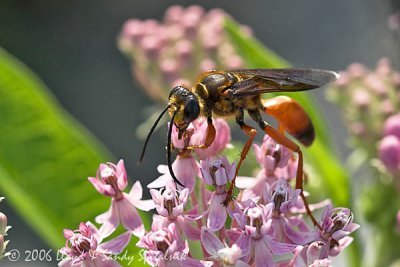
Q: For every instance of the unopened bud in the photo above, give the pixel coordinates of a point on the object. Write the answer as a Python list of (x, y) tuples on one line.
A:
[(356, 70), (392, 126), (361, 98), (389, 153)]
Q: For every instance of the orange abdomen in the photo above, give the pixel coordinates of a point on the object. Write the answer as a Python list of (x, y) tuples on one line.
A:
[(291, 117)]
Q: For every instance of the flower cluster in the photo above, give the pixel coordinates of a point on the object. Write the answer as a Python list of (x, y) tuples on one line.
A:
[(3, 232), (85, 246), (389, 146), (368, 98), (369, 101), (188, 41), (262, 223)]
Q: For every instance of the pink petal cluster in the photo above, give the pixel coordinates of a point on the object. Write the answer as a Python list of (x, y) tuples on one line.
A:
[(187, 39), (264, 221), (185, 167), (84, 247), (165, 247), (111, 179)]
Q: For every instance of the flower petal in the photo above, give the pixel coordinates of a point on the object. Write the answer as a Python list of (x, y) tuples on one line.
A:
[(262, 254), (190, 231), (210, 242), (244, 242), (136, 191), (160, 181), (99, 186), (278, 248), (122, 178), (116, 245), (145, 205), (101, 260), (110, 220), (217, 212), (68, 233), (130, 218)]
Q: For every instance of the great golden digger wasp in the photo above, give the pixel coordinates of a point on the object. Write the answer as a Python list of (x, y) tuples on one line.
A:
[(230, 93)]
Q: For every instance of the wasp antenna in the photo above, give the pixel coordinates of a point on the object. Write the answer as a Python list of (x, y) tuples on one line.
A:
[(151, 132), (171, 171)]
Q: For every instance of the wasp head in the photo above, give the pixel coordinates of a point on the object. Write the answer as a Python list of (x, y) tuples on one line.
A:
[(186, 107)]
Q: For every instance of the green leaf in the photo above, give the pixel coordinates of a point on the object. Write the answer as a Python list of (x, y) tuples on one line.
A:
[(322, 162), (45, 156)]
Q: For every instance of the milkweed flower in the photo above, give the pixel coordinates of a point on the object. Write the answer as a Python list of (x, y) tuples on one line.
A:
[(276, 162), (187, 38), (170, 204), (111, 179), (311, 255), (218, 172), (337, 225), (287, 228), (84, 247), (253, 236), (185, 166), (219, 252), (367, 99), (165, 247)]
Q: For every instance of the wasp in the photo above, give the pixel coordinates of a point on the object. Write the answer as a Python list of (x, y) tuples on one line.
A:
[(230, 93)]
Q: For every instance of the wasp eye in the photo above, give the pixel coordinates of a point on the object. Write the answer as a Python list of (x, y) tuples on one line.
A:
[(191, 111)]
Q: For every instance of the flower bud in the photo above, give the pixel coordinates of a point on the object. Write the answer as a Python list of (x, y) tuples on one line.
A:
[(3, 223), (389, 153), (361, 98), (392, 126), (356, 70), (173, 14)]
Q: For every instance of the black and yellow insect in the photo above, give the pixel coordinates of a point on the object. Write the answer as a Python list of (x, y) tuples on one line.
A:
[(231, 93)]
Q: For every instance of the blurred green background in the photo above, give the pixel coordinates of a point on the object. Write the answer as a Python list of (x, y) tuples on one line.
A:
[(71, 46)]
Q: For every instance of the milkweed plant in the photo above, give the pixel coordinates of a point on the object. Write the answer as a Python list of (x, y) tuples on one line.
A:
[(264, 225)]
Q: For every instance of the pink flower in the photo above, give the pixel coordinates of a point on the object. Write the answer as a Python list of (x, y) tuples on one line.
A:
[(392, 126), (111, 180), (186, 170), (166, 248), (285, 227), (276, 161), (222, 137), (83, 247), (312, 255), (253, 236), (170, 205), (218, 172), (389, 153), (219, 252), (337, 224), (271, 155), (282, 195), (196, 135)]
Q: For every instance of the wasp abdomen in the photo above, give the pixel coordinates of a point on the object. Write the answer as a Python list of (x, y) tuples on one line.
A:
[(292, 117)]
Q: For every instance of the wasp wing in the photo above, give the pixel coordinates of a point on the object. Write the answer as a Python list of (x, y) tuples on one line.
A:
[(259, 81)]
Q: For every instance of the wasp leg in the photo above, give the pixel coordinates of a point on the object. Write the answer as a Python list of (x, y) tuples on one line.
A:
[(251, 132), (210, 136), (283, 140)]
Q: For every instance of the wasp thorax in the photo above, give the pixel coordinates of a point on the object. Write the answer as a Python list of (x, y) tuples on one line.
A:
[(186, 106)]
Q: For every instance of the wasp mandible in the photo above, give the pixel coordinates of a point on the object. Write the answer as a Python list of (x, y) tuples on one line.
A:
[(231, 93)]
